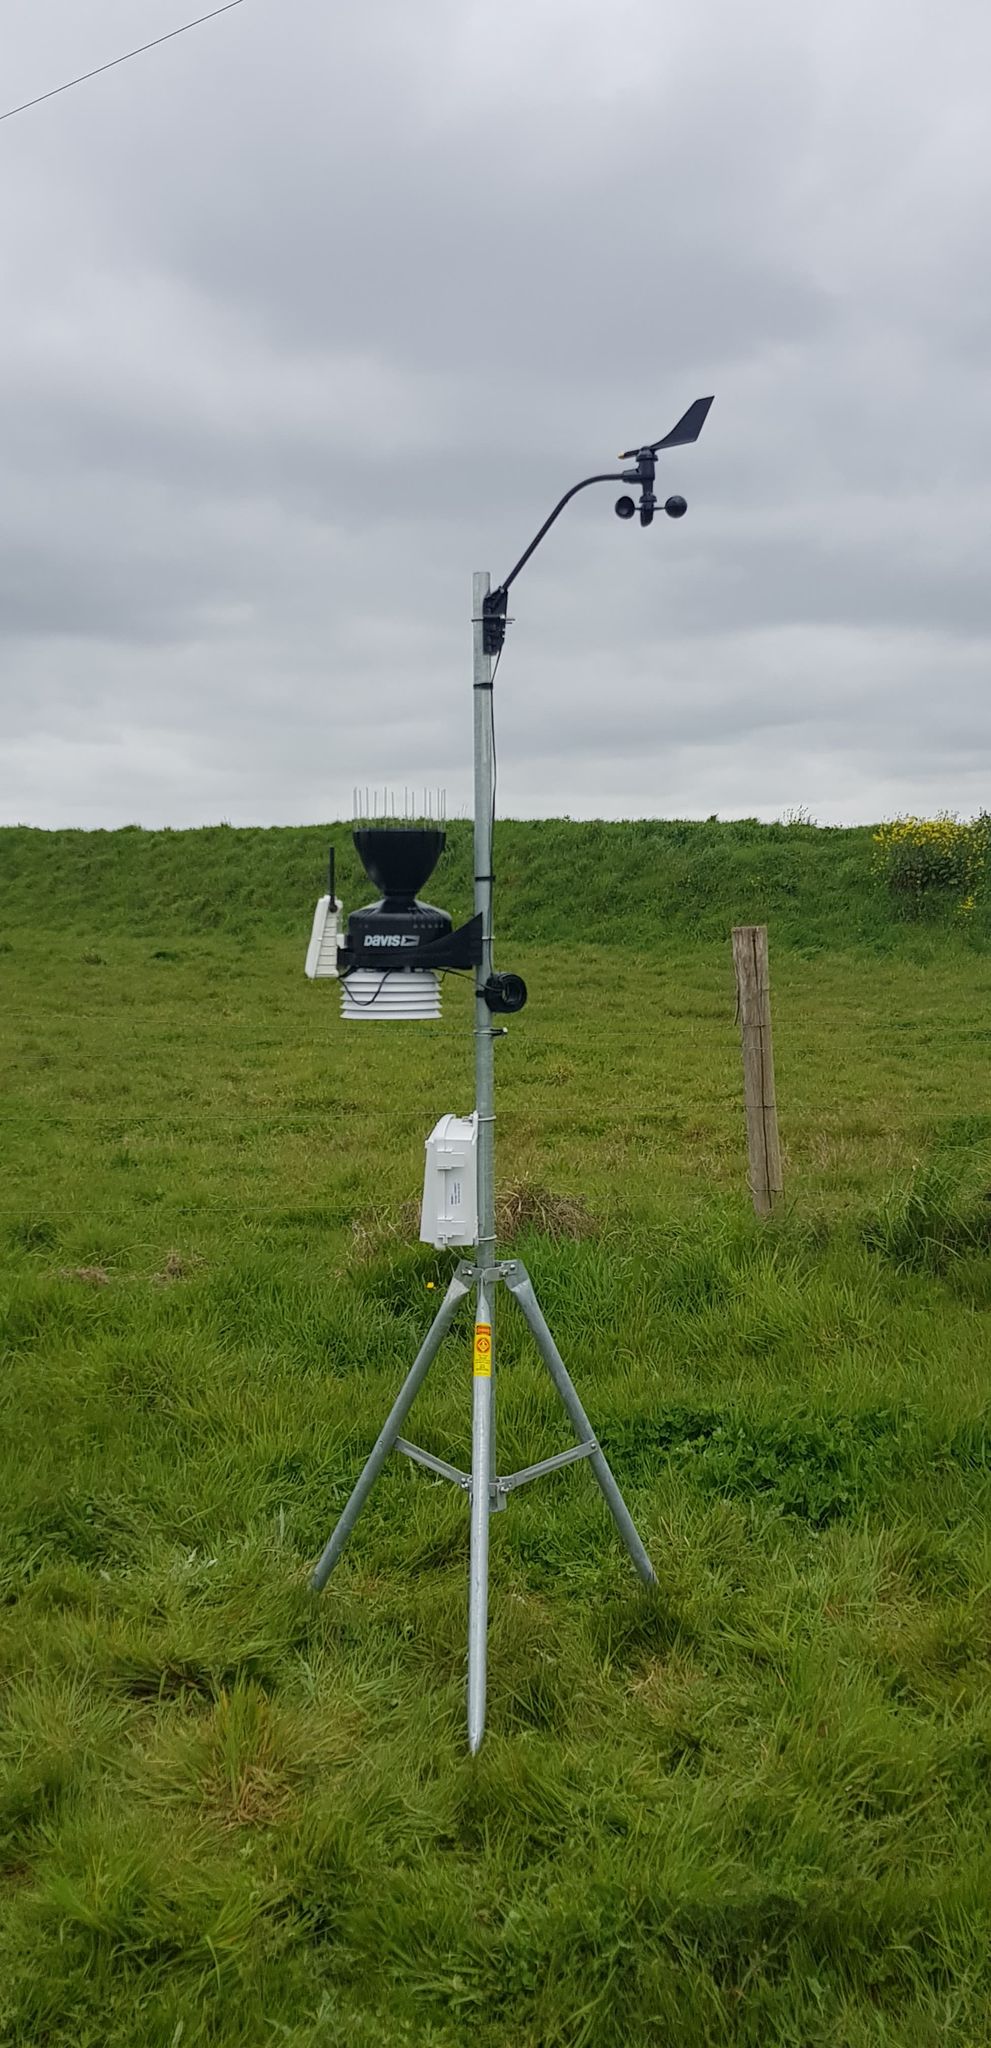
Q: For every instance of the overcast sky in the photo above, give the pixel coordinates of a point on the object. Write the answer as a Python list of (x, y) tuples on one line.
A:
[(316, 309)]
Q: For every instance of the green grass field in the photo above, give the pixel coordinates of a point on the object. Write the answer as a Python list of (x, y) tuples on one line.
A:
[(754, 1808)]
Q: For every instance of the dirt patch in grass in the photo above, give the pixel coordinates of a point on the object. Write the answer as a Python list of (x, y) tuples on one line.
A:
[(178, 1266), (526, 1205)]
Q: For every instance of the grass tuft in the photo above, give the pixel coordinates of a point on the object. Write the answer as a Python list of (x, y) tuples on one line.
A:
[(931, 1223)]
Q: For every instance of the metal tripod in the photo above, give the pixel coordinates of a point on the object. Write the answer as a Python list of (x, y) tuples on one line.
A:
[(484, 1274)]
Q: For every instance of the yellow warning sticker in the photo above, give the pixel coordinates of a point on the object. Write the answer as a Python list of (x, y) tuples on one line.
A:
[(482, 1354)]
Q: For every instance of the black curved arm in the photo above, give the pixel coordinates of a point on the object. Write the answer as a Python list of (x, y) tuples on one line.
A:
[(612, 476), (687, 430), (494, 607)]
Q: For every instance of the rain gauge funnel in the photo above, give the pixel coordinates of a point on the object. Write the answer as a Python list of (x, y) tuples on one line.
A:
[(398, 859)]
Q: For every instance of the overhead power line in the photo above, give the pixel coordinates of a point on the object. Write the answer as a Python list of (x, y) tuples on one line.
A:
[(128, 54)]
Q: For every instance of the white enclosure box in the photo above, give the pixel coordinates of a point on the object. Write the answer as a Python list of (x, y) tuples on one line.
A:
[(450, 1201), (321, 954)]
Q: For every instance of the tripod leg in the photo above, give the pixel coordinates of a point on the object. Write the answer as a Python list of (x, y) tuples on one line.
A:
[(459, 1287), (519, 1283), (481, 1507)]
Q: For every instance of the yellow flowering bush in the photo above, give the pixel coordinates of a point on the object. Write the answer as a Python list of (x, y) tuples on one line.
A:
[(933, 862)]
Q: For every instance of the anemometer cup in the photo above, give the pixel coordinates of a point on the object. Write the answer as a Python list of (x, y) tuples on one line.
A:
[(675, 507)]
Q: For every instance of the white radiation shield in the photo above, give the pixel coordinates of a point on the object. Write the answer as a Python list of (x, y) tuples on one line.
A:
[(394, 998)]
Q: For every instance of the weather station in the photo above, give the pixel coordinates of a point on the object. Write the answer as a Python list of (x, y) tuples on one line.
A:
[(388, 958)]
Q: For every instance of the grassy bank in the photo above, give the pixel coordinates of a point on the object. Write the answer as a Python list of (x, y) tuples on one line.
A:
[(649, 884)]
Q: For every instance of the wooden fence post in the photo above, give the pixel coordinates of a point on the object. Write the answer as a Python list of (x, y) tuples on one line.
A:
[(753, 1005)]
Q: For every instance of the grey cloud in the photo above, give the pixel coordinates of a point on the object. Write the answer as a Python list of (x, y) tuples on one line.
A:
[(306, 319)]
